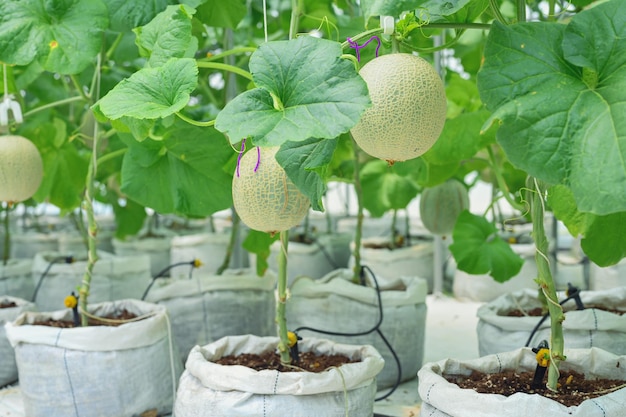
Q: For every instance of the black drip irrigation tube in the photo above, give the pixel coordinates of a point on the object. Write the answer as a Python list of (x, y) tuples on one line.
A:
[(375, 328), (164, 271), (573, 293), (66, 259)]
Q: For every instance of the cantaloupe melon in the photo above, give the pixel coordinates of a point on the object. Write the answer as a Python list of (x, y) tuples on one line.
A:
[(267, 200), (441, 205), (408, 108), (21, 169)]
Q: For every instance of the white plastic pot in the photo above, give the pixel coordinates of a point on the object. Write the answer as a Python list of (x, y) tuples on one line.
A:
[(206, 308), (335, 304), (444, 399), (209, 389), (97, 370), (8, 367), (591, 327)]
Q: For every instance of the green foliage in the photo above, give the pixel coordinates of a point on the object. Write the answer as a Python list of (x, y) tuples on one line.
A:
[(384, 188), (478, 249), (259, 243)]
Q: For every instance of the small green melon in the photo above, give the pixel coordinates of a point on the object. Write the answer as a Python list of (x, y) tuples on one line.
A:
[(441, 205)]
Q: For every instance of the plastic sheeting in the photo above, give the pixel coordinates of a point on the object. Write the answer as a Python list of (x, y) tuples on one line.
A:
[(97, 370), (206, 308), (444, 399), (209, 389), (586, 328), (335, 304)]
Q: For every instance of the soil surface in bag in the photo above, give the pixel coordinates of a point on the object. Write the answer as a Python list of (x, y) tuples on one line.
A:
[(121, 317), (7, 304), (307, 361), (538, 311), (573, 387)]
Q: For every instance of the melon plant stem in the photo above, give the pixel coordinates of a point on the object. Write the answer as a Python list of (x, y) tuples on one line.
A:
[(356, 277), (7, 236), (546, 284), (234, 232), (281, 320)]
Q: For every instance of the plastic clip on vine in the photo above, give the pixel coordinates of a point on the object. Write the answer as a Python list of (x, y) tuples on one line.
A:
[(572, 293), (196, 263), (67, 259), (71, 301), (375, 328), (542, 353)]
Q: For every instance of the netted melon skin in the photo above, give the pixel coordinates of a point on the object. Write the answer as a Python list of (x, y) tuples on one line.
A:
[(408, 108), (441, 205), (21, 169), (266, 200)]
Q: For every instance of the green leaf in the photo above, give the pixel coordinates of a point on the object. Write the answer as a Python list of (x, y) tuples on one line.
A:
[(180, 174), (384, 188), (478, 249), (387, 7), (129, 218), (167, 36), (219, 13), (64, 36), (65, 170), (304, 90), (305, 164), (125, 15), (445, 8), (559, 92), (602, 239), (259, 243), (152, 93)]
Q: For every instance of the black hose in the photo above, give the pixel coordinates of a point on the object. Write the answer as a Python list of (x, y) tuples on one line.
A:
[(164, 271)]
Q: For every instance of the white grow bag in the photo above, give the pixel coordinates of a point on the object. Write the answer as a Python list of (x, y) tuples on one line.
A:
[(441, 398), (209, 389), (334, 303), (206, 308), (209, 248), (15, 278), (581, 329), (157, 248), (114, 278), (97, 370), (8, 367)]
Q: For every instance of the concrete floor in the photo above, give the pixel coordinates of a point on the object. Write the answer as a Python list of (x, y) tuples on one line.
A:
[(450, 333)]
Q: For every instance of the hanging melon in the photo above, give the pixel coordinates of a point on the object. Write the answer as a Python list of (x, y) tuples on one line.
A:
[(408, 108), (264, 197), (441, 205), (21, 169)]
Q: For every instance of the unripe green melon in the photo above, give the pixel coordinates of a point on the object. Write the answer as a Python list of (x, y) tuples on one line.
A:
[(441, 205), (21, 169), (267, 200), (408, 108)]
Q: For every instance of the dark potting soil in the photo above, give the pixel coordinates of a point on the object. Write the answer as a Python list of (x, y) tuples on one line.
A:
[(7, 304), (538, 311), (64, 324), (307, 361), (573, 387)]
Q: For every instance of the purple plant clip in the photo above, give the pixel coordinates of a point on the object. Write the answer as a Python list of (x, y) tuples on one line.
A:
[(258, 158), (356, 46), (243, 147)]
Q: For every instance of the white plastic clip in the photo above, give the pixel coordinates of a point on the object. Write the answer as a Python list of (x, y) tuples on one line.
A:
[(9, 104), (388, 24)]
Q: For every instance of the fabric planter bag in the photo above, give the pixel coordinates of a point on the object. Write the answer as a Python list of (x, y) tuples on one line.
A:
[(157, 248), (8, 367), (209, 248), (98, 370), (209, 389), (335, 304), (114, 278), (16, 278), (206, 308), (27, 245), (441, 398), (586, 328), (416, 260)]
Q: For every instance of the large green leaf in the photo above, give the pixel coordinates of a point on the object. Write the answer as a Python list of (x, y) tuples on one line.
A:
[(180, 174), (151, 93), (259, 243), (603, 240), (304, 90), (129, 217), (65, 170), (167, 36), (125, 15), (560, 92), (387, 7), (65, 36), (220, 13), (478, 249), (305, 164), (385, 189)]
